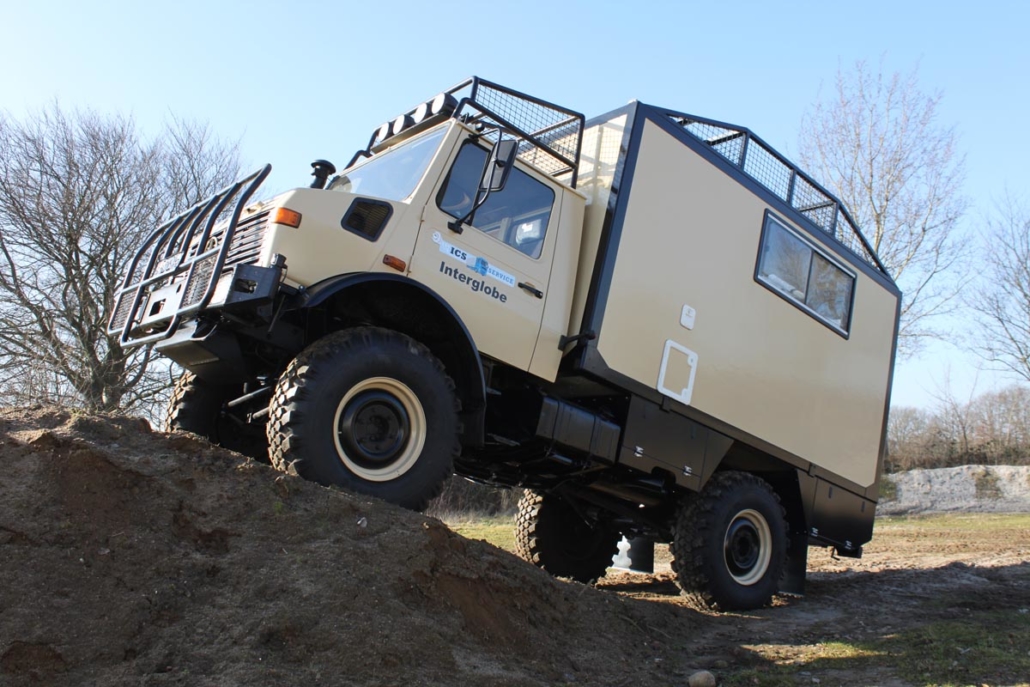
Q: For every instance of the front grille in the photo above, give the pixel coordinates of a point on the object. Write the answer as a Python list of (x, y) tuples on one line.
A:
[(197, 284), (245, 249), (247, 242)]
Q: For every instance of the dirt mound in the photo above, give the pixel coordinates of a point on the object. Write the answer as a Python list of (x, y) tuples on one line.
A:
[(132, 557)]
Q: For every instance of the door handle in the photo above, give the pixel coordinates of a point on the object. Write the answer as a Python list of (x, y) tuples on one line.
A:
[(532, 289)]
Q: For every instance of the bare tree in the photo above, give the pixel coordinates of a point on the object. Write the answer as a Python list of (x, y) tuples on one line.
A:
[(907, 430), (876, 142), (992, 428), (78, 193), (1002, 424), (1001, 301)]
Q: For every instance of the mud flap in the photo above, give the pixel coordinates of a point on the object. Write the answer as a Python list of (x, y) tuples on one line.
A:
[(796, 566)]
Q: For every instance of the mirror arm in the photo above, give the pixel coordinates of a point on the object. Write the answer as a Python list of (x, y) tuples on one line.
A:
[(457, 226)]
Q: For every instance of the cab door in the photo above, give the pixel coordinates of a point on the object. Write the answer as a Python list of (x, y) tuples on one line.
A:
[(495, 271)]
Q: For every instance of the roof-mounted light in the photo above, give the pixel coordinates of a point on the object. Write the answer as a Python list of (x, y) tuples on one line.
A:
[(382, 133), (400, 124), (443, 104), (408, 124)]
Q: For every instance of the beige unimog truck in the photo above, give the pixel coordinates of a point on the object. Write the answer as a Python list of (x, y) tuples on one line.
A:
[(653, 322)]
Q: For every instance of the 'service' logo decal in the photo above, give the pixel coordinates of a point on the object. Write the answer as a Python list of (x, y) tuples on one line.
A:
[(476, 264)]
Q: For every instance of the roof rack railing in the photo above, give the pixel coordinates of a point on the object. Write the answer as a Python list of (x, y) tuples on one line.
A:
[(760, 161), (551, 136)]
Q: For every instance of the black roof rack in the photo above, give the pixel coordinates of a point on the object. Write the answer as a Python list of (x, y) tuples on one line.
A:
[(757, 159), (551, 137)]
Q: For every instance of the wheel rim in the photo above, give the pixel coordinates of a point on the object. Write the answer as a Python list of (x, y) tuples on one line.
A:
[(748, 547), (379, 429)]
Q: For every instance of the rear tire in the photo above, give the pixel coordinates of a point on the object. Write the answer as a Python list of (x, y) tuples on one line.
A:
[(370, 410), (197, 406), (730, 543), (552, 535)]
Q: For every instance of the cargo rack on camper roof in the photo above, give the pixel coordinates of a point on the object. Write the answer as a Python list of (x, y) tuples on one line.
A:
[(758, 160), (551, 137)]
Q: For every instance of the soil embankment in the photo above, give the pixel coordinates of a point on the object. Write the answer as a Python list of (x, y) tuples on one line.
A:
[(130, 557)]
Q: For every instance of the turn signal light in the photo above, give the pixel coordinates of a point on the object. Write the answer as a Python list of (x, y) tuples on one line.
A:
[(290, 218), (396, 263)]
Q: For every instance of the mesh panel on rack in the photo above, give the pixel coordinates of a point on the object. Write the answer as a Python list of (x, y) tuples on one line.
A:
[(563, 138), (557, 130), (730, 146), (703, 130), (814, 204), (848, 235), (767, 169), (772, 172)]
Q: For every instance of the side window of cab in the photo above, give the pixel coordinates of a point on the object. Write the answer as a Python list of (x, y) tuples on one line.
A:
[(516, 215)]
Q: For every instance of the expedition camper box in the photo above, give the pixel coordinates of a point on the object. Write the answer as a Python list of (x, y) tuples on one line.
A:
[(653, 322)]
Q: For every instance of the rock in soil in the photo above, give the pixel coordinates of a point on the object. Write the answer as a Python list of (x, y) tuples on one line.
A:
[(701, 678)]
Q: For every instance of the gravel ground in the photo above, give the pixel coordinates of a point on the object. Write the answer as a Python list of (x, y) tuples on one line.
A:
[(969, 489)]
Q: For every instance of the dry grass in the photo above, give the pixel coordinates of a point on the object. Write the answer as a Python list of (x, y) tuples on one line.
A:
[(498, 530)]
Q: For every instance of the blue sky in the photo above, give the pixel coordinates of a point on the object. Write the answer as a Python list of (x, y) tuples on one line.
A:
[(303, 80)]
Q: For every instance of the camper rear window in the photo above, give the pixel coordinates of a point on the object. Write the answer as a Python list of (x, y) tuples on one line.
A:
[(792, 267)]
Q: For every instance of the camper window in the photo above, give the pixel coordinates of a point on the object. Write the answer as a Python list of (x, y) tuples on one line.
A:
[(793, 268)]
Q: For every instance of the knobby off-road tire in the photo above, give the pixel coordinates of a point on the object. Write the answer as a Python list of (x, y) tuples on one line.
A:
[(370, 410), (196, 406), (730, 543), (550, 534)]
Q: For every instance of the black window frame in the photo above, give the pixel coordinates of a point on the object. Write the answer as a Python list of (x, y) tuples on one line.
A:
[(446, 183), (769, 220), (354, 206)]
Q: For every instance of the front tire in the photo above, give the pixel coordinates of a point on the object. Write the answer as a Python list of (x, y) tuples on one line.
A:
[(552, 535), (730, 543), (370, 410)]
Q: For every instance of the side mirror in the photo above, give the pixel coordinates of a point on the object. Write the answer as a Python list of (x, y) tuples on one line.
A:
[(495, 176), (502, 159)]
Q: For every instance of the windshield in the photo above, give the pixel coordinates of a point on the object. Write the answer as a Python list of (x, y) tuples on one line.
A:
[(393, 174)]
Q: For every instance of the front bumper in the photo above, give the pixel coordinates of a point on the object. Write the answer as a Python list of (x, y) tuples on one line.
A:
[(214, 346), (198, 259)]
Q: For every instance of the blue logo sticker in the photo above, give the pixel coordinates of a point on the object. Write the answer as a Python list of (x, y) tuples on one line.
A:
[(481, 266)]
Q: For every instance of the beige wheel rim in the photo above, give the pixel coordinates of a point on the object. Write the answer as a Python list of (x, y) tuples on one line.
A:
[(747, 547), (379, 429)]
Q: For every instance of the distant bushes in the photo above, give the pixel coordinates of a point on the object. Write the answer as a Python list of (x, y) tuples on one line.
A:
[(991, 429)]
